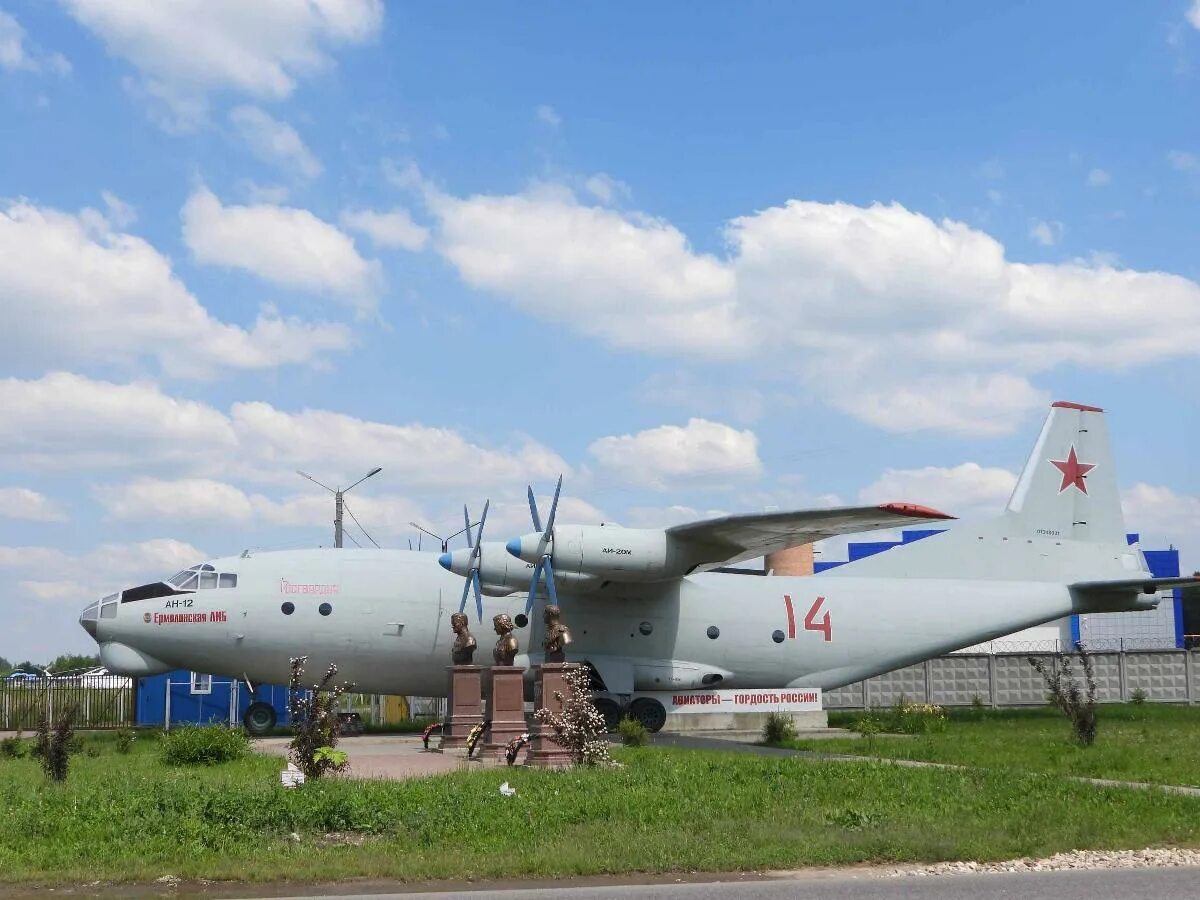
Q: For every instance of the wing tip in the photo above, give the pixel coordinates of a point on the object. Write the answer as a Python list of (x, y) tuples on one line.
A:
[(1068, 404), (914, 511)]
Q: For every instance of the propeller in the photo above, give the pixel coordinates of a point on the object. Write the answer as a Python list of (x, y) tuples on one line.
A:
[(545, 550), (472, 576)]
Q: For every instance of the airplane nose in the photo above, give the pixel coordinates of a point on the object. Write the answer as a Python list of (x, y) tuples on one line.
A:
[(89, 617), (514, 547), (444, 561)]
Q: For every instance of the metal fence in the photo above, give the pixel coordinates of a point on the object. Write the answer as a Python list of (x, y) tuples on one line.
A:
[(1007, 679), (98, 701)]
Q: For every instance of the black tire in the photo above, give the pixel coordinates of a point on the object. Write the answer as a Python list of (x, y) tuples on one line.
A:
[(649, 712), (259, 718), (610, 709)]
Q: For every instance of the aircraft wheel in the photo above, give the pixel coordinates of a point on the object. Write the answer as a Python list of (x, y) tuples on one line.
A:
[(259, 718), (649, 712), (611, 711)]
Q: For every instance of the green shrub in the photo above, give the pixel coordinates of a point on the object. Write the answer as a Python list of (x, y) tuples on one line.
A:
[(55, 743), (12, 747), (1138, 697), (633, 733), (314, 715), (125, 739), (778, 729), (916, 718), (207, 745)]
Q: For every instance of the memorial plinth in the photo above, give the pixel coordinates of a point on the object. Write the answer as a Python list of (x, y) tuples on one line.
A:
[(464, 704), (548, 679), (505, 707)]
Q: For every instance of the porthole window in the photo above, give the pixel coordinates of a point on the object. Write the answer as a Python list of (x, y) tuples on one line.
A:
[(645, 628), (288, 607), (521, 620), (713, 632), (324, 609), (777, 636)]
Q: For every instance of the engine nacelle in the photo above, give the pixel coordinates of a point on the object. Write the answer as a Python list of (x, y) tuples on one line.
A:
[(500, 574), (606, 552)]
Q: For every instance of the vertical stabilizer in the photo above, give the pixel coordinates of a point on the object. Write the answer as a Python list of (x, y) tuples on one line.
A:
[(1069, 485)]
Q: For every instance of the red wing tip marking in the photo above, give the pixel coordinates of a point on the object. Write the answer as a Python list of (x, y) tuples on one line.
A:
[(1067, 404), (912, 509)]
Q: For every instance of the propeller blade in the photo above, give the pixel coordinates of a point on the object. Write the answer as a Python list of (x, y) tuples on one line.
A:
[(466, 590), (467, 520), (537, 571), (478, 594), (537, 520), (553, 508), (482, 519), (549, 567)]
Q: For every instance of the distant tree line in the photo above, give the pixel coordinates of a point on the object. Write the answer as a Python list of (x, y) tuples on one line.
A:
[(65, 662)]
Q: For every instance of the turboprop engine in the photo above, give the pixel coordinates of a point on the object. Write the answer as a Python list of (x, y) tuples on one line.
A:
[(604, 551), (499, 573)]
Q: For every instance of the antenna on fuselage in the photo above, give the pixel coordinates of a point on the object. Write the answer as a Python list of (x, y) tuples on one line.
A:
[(444, 541)]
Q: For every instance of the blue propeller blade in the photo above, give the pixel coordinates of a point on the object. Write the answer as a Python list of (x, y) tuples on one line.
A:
[(537, 520), (478, 595), (553, 509), (537, 571), (467, 522), (549, 567), (466, 589)]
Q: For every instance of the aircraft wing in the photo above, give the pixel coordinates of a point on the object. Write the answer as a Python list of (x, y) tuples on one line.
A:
[(730, 539)]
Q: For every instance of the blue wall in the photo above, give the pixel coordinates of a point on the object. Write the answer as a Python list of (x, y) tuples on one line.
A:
[(201, 709)]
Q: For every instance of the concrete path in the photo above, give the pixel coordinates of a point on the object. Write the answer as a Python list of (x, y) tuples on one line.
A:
[(390, 756)]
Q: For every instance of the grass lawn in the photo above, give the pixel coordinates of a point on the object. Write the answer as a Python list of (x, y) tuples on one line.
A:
[(129, 817), (1134, 742)]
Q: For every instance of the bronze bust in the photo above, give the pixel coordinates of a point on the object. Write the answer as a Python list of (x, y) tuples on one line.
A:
[(506, 648), (557, 636), (464, 643)]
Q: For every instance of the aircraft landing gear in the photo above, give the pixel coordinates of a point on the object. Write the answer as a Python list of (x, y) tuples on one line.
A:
[(611, 711), (259, 718), (649, 712)]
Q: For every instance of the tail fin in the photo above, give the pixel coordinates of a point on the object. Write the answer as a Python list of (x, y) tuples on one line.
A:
[(1069, 485)]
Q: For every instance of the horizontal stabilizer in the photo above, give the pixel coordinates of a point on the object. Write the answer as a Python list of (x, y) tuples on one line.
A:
[(1139, 585)]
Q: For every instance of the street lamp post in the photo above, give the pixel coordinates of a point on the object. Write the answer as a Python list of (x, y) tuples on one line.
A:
[(338, 502)]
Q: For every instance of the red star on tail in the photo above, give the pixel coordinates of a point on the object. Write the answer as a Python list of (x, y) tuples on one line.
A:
[(1072, 471)]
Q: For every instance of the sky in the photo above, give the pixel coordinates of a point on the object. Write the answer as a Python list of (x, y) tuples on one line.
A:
[(697, 258)]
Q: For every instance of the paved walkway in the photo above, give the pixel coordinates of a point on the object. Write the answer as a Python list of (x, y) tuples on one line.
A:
[(390, 756)]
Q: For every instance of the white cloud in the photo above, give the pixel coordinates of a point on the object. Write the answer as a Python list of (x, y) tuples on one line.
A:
[(905, 322), (187, 49), (967, 489), (607, 189), (120, 214), (15, 55), (548, 115), (22, 503), (64, 421), (76, 289), (1046, 233), (1098, 178), (284, 245), (1163, 516), (387, 229), (669, 454), (1182, 160), (274, 141), (1193, 14), (666, 516), (52, 574)]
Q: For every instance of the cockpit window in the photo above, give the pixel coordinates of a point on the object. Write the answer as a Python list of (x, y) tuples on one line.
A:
[(228, 580), (208, 580), (184, 581)]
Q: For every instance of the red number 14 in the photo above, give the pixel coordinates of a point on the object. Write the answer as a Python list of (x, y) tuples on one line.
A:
[(824, 626)]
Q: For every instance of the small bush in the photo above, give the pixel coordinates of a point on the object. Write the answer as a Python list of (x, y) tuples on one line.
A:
[(12, 747), (1076, 703), (579, 728), (54, 744), (1138, 697), (778, 728), (633, 733), (125, 739), (315, 725), (207, 745), (916, 718)]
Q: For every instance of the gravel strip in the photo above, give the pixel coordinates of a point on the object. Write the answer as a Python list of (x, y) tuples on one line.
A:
[(1151, 857)]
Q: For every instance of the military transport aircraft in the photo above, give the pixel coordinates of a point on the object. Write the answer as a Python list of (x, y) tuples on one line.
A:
[(651, 609)]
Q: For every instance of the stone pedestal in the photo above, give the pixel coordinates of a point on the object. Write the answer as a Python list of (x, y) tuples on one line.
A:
[(505, 707), (464, 705), (548, 678)]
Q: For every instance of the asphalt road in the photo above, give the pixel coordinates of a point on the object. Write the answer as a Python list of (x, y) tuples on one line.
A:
[(1094, 884)]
